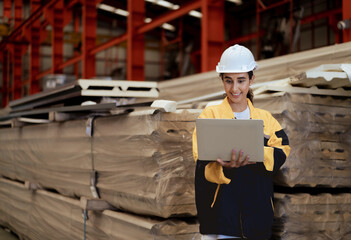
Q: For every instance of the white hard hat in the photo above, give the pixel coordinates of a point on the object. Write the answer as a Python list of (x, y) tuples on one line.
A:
[(236, 59)]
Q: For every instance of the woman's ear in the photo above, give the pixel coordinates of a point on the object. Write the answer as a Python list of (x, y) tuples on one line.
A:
[(252, 79)]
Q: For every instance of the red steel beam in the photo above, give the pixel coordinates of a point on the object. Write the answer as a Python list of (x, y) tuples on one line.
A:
[(61, 66), (7, 4), (265, 8), (212, 33), (18, 13), (174, 14), (26, 23), (71, 61), (258, 22), (346, 14), (34, 54), (7, 10), (77, 51), (88, 38), (5, 78), (244, 38), (44, 73), (149, 26), (332, 22), (135, 44), (17, 72), (291, 25), (17, 56), (110, 43), (321, 15), (260, 7), (57, 36), (71, 3)]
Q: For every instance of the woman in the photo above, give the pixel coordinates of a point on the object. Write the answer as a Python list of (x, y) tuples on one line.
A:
[(235, 199)]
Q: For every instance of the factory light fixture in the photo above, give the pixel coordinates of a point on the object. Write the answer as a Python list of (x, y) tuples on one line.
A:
[(172, 6), (109, 8), (196, 14), (164, 3), (238, 2), (125, 13), (168, 26)]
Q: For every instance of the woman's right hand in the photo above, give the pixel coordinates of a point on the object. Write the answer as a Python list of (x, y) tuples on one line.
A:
[(233, 163)]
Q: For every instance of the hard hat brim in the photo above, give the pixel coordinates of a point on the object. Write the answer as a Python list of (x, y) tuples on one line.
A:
[(218, 70)]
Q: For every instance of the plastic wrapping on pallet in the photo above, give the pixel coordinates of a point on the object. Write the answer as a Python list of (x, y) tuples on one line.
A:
[(41, 214), (319, 130), (145, 165), (54, 155), (143, 161), (306, 216)]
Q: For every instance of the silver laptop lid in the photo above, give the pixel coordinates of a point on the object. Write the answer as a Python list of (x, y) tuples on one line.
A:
[(216, 138)]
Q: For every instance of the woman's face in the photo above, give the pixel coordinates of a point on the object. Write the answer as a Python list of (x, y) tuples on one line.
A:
[(236, 86)]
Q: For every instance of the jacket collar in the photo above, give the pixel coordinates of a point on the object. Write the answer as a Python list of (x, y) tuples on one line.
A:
[(228, 112)]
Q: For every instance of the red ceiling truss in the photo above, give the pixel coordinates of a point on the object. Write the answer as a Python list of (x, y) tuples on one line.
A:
[(31, 32)]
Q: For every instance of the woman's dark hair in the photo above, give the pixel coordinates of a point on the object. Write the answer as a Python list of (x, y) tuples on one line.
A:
[(250, 94)]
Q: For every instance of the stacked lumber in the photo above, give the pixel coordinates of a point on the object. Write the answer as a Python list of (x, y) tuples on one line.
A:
[(54, 155), (45, 215), (319, 130), (145, 164), (269, 70), (305, 216), (314, 108), (143, 160)]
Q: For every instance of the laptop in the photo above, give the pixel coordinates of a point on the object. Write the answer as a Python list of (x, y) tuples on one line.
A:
[(216, 138)]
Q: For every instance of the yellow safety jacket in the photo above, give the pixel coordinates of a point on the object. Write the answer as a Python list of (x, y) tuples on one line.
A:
[(239, 201), (272, 131)]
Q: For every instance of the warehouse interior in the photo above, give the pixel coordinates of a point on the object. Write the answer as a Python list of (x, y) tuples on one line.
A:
[(99, 101)]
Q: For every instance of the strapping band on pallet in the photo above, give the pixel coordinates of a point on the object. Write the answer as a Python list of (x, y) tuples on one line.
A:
[(93, 176)]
